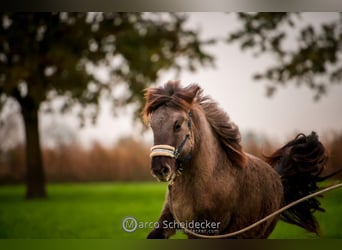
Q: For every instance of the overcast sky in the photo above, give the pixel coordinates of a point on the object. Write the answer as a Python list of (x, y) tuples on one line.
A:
[(230, 83)]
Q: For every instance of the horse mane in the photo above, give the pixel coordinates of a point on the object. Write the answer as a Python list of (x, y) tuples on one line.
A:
[(173, 95), (225, 130)]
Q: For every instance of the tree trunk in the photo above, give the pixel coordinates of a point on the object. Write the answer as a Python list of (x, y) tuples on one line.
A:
[(35, 178)]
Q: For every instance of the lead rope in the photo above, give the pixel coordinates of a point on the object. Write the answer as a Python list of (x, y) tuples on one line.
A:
[(252, 225)]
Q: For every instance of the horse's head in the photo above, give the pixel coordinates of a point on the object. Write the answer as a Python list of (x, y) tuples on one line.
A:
[(172, 142), (168, 111)]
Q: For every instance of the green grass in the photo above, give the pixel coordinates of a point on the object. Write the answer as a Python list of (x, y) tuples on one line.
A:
[(97, 210)]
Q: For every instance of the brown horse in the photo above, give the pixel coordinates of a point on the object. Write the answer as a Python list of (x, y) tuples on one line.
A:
[(216, 185)]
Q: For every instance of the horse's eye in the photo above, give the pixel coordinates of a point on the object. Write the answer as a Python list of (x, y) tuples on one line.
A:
[(177, 126)]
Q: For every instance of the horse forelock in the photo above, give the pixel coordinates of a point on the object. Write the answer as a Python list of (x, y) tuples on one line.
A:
[(172, 95)]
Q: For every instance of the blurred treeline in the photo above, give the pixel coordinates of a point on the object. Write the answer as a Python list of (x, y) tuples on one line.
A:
[(126, 160)]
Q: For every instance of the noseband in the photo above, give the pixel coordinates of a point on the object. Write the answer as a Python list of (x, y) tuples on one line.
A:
[(172, 152)]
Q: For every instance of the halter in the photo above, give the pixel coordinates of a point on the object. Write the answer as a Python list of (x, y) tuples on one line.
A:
[(171, 151)]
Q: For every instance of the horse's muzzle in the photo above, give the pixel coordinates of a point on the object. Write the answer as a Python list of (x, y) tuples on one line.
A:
[(161, 168)]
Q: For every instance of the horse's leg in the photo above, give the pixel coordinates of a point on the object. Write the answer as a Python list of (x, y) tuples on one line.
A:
[(163, 232)]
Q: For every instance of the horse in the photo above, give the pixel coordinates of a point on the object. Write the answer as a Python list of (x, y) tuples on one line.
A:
[(216, 185)]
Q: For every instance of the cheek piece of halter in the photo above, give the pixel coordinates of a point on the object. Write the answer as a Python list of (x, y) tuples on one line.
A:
[(171, 151)]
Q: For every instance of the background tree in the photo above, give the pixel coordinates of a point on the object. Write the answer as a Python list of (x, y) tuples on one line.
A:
[(48, 55), (315, 60)]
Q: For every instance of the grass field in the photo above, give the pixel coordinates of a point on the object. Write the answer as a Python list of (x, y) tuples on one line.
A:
[(97, 210)]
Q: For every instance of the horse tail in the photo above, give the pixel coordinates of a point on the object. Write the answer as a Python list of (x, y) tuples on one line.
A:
[(300, 163)]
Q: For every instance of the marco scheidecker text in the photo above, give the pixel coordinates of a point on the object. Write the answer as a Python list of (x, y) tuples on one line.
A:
[(131, 224)]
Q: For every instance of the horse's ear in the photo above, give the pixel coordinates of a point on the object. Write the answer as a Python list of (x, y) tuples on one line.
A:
[(194, 91), (147, 109)]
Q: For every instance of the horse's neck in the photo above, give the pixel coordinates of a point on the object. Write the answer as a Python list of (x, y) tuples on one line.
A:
[(208, 155)]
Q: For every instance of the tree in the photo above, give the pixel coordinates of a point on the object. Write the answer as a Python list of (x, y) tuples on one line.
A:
[(315, 61), (48, 55)]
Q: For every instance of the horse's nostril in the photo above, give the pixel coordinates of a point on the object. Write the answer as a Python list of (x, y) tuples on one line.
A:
[(165, 170)]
